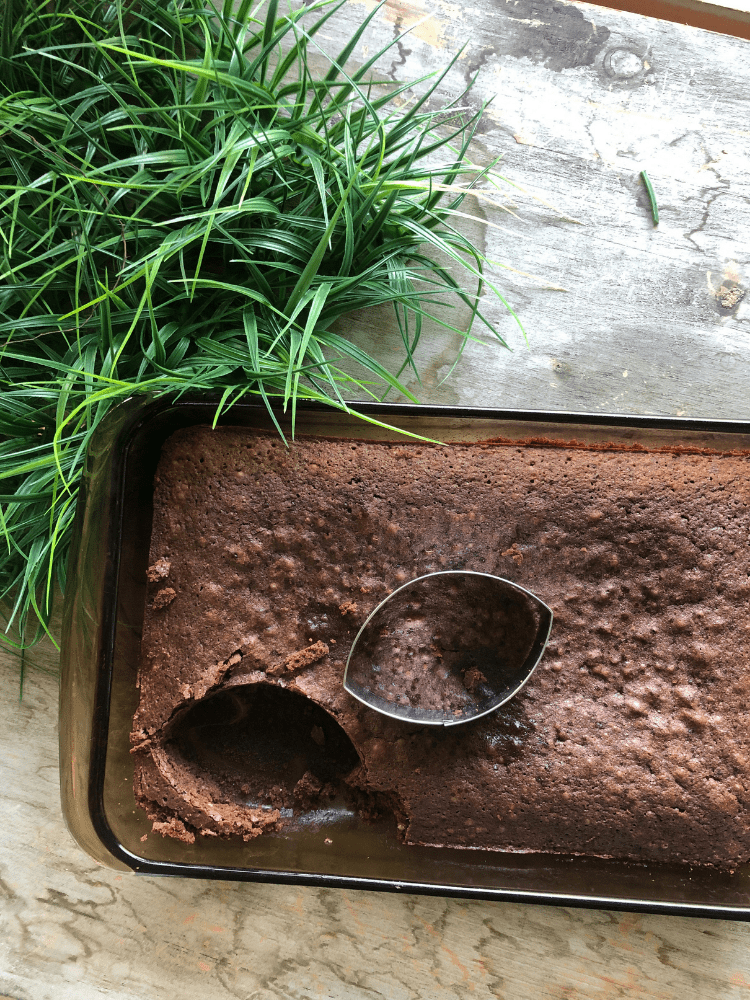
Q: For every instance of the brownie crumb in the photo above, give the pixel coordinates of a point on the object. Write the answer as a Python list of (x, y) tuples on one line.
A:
[(299, 660), (158, 571), (473, 679), (307, 791), (164, 597), (174, 827), (514, 554)]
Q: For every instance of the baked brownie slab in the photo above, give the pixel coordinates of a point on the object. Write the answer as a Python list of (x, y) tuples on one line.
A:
[(631, 738)]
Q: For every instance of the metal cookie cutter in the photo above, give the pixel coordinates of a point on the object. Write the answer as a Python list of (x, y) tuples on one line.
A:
[(447, 648)]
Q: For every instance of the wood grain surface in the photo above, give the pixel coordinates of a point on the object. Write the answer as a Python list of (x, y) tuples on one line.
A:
[(583, 99), (652, 320)]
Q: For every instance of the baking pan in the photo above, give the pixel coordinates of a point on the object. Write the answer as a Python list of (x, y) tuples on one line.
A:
[(103, 616)]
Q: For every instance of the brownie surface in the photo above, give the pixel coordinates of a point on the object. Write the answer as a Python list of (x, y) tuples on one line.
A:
[(629, 741)]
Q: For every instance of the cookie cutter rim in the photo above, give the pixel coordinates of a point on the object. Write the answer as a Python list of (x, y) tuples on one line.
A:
[(436, 717)]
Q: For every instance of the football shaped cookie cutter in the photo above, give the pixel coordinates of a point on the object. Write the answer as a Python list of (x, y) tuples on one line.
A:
[(447, 648)]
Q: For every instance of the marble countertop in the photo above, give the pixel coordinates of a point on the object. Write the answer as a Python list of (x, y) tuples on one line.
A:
[(620, 317)]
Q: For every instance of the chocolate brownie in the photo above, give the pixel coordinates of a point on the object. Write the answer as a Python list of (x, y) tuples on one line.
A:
[(629, 741)]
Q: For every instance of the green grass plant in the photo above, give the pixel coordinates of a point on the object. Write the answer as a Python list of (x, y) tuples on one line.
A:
[(186, 205)]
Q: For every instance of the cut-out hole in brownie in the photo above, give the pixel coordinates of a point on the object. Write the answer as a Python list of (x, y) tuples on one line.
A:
[(448, 647), (264, 745)]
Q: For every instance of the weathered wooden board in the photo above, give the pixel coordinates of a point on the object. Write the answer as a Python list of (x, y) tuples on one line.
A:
[(586, 98), (583, 99)]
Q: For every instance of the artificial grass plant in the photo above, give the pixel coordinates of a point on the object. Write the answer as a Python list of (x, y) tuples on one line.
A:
[(185, 205)]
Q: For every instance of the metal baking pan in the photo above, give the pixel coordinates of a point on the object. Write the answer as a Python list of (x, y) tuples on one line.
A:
[(103, 616)]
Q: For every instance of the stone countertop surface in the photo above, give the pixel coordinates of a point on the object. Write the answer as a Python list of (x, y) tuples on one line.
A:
[(620, 316)]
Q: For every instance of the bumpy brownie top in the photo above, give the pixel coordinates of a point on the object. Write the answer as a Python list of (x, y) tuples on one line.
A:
[(630, 740)]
